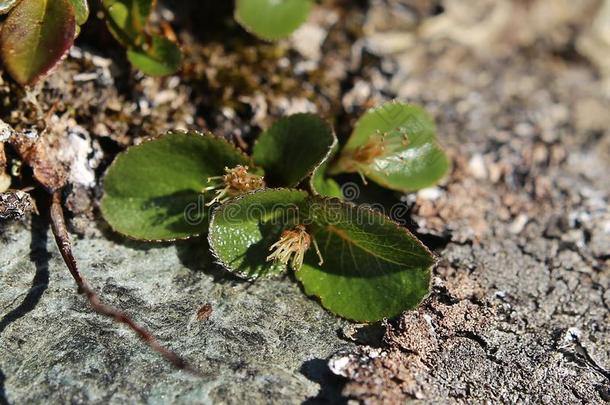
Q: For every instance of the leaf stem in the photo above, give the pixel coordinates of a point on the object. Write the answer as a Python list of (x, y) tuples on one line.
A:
[(343, 164), (62, 238), (346, 164)]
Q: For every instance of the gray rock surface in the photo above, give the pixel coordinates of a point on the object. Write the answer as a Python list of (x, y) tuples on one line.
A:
[(264, 342), (520, 311)]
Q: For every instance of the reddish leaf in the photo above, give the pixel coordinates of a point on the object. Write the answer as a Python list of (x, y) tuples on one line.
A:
[(35, 37)]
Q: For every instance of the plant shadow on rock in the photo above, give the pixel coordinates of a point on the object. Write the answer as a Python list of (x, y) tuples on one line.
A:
[(366, 334), (194, 254), (331, 385), (40, 257)]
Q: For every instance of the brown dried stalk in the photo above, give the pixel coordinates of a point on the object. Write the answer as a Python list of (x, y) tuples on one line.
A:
[(62, 238), (2, 159)]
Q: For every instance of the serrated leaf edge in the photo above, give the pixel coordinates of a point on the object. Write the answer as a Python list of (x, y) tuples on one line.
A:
[(48, 70), (435, 260), (389, 186), (327, 159), (381, 106), (311, 170), (153, 138), (217, 259), (326, 200)]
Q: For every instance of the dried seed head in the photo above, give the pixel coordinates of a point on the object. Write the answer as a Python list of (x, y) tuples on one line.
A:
[(367, 153), (235, 182), (291, 247), (240, 180), (377, 145)]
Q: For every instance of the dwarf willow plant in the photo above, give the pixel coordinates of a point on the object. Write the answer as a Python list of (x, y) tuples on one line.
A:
[(153, 54), (272, 19), (279, 210), (37, 34)]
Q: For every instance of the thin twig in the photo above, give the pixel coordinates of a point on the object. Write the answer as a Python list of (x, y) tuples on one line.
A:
[(58, 225), (2, 158)]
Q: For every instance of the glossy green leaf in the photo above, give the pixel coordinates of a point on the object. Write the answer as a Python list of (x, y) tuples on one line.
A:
[(6, 5), (321, 184), (272, 19), (35, 36), (395, 145), (126, 19), (243, 229), (372, 267), (159, 58), (153, 191), (292, 148), (81, 11)]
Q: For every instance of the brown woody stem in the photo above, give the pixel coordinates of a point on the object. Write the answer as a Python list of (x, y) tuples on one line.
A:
[(2, 159), (62, 238)]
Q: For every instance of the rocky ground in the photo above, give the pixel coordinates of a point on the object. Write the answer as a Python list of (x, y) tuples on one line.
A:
[(521, 304)]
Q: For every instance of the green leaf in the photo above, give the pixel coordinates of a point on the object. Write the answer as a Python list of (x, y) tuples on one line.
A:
[(159, 58), (272, 19), (395, 146), (35, 36), (293, 147), (126, 19), (81, 10), (243, 229), (372, 267), (322, 185), (153, 191), (6, 5), (154, 55)]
